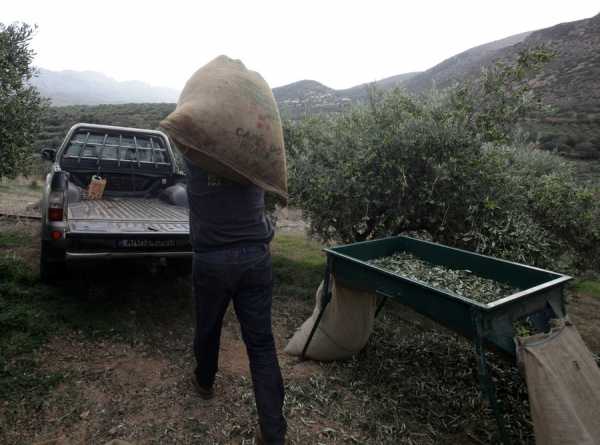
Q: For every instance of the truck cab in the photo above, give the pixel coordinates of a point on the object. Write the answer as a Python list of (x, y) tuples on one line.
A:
[(142, 212)]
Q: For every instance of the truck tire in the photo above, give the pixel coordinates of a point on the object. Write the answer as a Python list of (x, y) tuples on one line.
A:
[(52, 263)]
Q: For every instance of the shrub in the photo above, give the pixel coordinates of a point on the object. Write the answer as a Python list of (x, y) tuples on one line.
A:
[(397, 165), (406, 164), (21, 105)]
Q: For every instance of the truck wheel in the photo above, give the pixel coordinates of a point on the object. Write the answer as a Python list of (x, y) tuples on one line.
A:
[(52, 263)]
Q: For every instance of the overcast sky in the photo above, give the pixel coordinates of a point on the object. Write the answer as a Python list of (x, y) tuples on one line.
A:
[(339, 43)]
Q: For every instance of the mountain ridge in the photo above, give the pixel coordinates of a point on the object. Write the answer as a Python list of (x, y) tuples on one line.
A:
[(569, 83), (443, 73), (70, 87)]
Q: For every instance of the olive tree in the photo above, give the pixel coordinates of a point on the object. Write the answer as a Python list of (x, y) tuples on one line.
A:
[(441, 163), (493, 105), (21, 106)]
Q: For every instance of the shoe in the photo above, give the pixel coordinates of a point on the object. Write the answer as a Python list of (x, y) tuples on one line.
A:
[(258, 438), (204, 392)]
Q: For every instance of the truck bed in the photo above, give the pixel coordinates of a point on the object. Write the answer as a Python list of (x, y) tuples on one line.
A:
[(127, 215)]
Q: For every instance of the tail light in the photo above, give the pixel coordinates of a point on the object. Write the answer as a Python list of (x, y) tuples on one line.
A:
[(56, 204)]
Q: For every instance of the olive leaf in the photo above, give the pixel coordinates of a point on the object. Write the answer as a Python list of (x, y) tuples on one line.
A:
[(462, 282)]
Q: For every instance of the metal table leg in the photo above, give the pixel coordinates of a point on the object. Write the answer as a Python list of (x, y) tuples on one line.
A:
[(380, 305), (325, 299), (487, 385)]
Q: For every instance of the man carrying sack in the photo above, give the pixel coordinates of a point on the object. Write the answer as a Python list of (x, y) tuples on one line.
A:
[(227, 126)]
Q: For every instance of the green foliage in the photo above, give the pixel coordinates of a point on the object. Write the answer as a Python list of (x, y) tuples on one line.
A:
[(297, 265), (24, 326), (394, 166), (20, 103), (13, 269), (56, 121), (572, 211), (508, 223), (12, 238), (439, 163), (588, 287), (494, 104)]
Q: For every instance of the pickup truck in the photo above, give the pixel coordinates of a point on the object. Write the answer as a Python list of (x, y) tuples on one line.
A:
[(143, 211)]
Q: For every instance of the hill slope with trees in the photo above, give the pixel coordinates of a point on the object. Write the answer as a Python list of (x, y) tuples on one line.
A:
[(451, 167), (569, 83)]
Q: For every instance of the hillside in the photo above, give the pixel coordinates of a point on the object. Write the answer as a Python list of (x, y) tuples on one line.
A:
[(308, 97), (57, 120), (311, 97), (360, 92), (570, 83), (459, 66), (92, 88), (65, 88)]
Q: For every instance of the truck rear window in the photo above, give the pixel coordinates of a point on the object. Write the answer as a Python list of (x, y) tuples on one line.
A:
[(139, 148)]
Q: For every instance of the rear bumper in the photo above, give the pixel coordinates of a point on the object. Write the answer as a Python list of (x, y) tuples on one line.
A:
[(83, 256), (100, 246)]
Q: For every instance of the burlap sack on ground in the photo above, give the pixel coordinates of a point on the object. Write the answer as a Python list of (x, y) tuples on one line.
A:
[(227, 122), (563, 382), (344, 329)]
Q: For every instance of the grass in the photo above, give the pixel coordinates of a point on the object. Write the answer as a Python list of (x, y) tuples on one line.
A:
[(588, 287), (28, 185), (116, 307), (25, 325), (14, 238), (298, 266), (118, 302), (409, 385), (18, 196)]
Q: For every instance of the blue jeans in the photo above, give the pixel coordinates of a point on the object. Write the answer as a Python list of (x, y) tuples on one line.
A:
[(244, 275)]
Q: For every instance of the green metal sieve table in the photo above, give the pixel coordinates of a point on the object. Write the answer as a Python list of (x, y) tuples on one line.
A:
[(487, 325)]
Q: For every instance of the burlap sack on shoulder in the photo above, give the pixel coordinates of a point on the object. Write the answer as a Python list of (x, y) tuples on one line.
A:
[(563, 382), (344, 329), (227, 122)]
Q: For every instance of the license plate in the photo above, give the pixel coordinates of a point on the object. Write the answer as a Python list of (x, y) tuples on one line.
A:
[(144, 243)]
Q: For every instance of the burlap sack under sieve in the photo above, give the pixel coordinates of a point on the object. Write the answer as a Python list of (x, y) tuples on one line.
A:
[(563, 382), (345, 328), (227, 123)]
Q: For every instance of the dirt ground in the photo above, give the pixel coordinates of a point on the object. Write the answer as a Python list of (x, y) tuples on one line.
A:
[(584, 311), (137, 386), (20, 196), (126, 364), (143, 392)]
